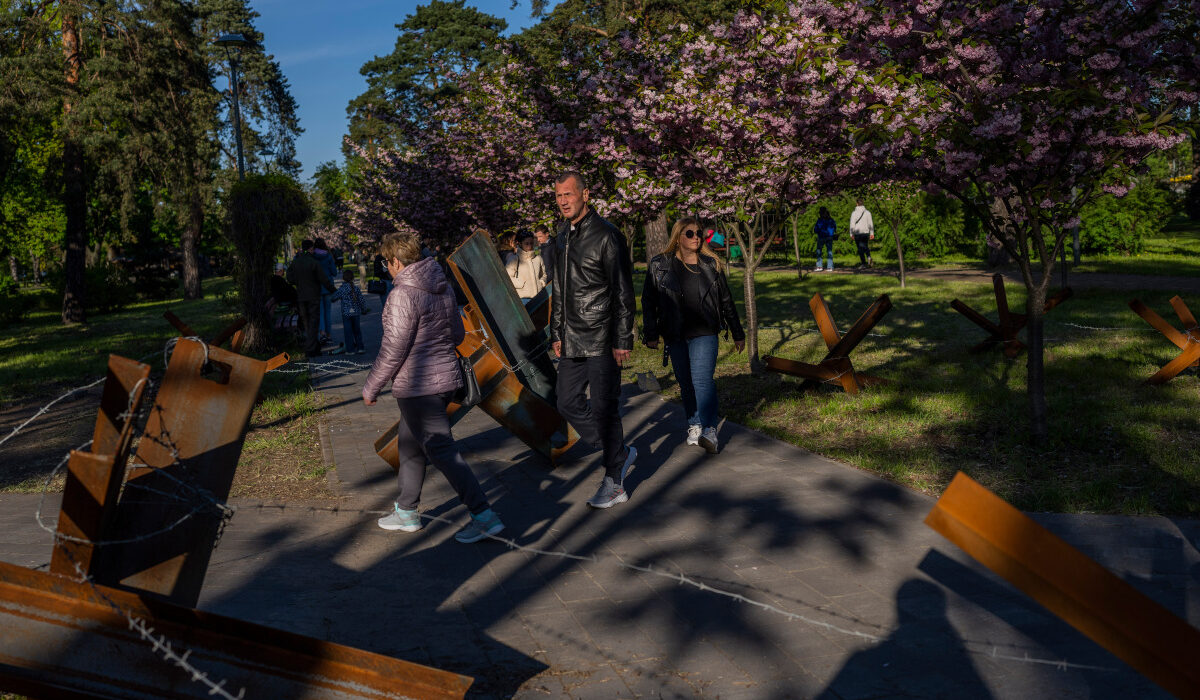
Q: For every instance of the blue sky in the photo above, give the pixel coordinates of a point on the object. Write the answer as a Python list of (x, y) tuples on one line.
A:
[(321, 44)]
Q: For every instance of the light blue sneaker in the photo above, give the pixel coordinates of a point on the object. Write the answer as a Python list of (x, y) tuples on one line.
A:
[(480, 526), (403, 520)]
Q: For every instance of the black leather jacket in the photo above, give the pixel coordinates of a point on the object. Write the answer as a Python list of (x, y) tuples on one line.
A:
[(662, 314), (592, 307)]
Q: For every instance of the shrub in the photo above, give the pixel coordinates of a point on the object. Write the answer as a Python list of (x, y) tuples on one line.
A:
[(1112, 226), (12, 306), (106, 287), (1191, 201)]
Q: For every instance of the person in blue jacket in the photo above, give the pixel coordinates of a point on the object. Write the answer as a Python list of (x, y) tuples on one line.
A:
[(325, 258), (826, 230)]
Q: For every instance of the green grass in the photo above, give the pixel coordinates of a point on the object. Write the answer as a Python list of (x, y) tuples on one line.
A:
[(1117, 445), (40, 355), (1175, 252)]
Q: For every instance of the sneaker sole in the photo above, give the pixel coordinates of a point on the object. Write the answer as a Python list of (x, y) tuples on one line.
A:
[(493, 530), (618, 500), (401, 528)]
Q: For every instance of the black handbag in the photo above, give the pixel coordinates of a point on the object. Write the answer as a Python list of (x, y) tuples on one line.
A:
[(470, 394)]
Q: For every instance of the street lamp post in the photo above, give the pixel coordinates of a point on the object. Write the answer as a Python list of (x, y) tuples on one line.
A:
[(235, 41)]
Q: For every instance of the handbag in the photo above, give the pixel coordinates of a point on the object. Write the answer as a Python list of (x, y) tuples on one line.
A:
[(470, 394)]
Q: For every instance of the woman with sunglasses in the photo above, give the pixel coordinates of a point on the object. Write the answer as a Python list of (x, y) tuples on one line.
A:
[(686, 302)]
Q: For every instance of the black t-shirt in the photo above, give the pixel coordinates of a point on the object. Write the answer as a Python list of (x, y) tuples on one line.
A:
[(693, 287)]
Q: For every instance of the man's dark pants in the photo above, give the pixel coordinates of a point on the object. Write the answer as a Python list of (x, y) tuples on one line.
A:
[(310, 314), (598, 423), (863, 241)]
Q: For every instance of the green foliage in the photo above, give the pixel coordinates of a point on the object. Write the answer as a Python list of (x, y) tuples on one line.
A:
[(1119, 226), (1191, 201), (437, 40), (108, 286), (12, 307)]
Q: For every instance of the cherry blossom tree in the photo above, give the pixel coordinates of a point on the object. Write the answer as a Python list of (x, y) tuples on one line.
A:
[(1030, 110), (742, 123)]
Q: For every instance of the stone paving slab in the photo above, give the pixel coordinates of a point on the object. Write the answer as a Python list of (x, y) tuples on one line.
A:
[(843, 550)]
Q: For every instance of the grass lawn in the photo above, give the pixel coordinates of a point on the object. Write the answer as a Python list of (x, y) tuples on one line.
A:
[(1174, 252), (40, 358), (1117, 444)]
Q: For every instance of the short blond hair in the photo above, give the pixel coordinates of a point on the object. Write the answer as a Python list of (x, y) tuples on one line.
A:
[(404, 247)]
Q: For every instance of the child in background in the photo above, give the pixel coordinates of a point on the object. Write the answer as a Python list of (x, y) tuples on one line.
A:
[(353, 305)]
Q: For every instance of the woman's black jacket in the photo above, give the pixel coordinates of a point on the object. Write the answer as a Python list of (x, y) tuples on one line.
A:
[(662, 314)]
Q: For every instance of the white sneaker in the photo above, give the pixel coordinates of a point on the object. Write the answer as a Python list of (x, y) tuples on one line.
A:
[(693, 437), (708, 440), (817, 268)]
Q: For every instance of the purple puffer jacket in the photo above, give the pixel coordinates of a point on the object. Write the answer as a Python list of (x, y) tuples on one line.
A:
[(421, 328)]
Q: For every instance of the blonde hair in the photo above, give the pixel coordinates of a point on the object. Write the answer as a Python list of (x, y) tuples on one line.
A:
[(404, 247), (677, 231)]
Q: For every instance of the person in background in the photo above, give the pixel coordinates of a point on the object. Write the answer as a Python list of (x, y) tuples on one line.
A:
[(686, 301), (526, 269), (547, 248), (862, 228), (310, 279), (826, 231), (505, 246), (353, 306), (591, 332), (325, 258), (281, 291), (421, 327)]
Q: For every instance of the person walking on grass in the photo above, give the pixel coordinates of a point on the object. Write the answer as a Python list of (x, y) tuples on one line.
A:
[(353, 306), (686, 301), (310, 279), (421, 328), (862, 228), (526, 269), (826, 231), (591, 331)]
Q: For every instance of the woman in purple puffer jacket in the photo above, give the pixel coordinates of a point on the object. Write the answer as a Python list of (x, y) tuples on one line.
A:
[(421, 328)]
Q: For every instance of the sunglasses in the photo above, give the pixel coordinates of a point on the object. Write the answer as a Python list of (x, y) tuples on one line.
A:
[(690, 234)]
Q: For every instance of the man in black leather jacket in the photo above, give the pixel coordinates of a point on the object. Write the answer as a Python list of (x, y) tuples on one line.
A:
[(591, 328)]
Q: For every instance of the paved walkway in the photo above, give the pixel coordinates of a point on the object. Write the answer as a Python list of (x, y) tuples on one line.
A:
[(880, 606)]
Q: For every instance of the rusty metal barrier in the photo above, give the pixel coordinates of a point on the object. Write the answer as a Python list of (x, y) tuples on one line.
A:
[(836, 365), (510, 355), (94, 477), (1084, 594), (1188, 340), (192, 439), (64, 638), (1011, 322)]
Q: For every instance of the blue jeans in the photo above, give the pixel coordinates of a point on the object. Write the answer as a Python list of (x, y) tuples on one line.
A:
[(326, 318), (828, 246), (353, 332), (694, 361)]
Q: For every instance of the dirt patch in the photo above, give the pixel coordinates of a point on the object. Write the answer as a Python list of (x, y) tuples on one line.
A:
[(27, 457)]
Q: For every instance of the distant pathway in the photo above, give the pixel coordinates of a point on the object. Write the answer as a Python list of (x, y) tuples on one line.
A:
[(1077, 280)]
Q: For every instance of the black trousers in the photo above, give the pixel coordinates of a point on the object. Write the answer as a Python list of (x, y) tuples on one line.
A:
[(863, 241), (598, 421), (310, 316), (424, 433)]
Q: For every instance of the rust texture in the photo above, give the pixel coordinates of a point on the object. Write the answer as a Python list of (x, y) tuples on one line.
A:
[(836, 365), (64, 638), (94, 476), (1005, 332), (183, 469), (1188, 340), (1084, 594)]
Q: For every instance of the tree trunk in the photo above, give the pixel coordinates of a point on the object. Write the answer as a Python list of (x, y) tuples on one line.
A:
[(899, 252), (256, 289), (796, 243), (13, 270), (189, 241), (657, 234), (1035, 306), (74, 194)]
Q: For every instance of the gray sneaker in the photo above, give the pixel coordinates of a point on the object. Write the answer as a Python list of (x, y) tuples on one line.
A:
[(403, 520), (708, 440), (609, 494), (482, 525)]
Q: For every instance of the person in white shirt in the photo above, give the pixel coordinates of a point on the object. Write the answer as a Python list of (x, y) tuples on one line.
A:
[(526, 269), (862, 228)]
